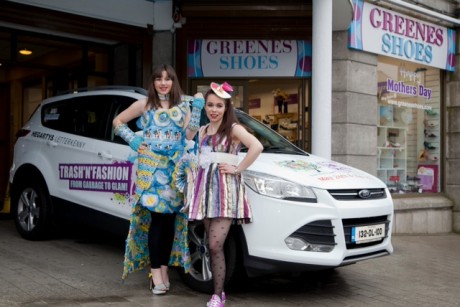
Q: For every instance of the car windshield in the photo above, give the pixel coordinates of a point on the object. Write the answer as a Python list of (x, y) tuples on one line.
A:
[(270, 139)]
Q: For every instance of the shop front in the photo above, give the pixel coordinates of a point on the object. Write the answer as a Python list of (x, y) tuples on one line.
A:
[(264, 54), (42, 57), (271, 79), (413, 57)]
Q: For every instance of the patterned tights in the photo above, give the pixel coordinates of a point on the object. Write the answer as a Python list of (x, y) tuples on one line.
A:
[(217, 230)]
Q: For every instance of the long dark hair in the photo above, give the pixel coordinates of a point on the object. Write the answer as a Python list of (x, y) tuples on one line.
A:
[(229, 118), (153, 101)]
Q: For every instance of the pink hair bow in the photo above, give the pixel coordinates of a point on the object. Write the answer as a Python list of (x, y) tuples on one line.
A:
[(227, 87)]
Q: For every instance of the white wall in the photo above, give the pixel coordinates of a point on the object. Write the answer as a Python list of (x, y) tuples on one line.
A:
[(138, 13)]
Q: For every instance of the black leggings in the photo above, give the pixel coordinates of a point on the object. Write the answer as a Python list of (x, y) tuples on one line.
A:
[(161, 236)]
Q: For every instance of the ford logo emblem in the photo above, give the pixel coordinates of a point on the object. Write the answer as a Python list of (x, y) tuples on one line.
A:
[(364, 193)]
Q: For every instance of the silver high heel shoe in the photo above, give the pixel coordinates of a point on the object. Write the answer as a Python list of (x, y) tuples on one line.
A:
[(157, 289)]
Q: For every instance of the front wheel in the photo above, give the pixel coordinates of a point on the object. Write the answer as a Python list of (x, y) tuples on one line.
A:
[(31, 209), (200, 276)]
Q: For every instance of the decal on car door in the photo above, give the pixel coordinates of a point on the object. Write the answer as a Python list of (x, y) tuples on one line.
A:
[(115, 178)]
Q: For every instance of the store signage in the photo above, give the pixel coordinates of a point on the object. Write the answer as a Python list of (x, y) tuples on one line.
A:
[(378, 30), (249, 58)]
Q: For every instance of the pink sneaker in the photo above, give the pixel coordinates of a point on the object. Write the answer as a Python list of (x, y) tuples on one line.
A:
[(215, 301), (224, 298)]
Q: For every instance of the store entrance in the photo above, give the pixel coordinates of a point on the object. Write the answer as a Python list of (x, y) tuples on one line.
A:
[(280, 103), (4, 142), (35, 66)]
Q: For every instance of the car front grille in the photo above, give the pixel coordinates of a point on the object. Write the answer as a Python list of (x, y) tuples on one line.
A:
[(358, 194), (348, 224), (322, 232), (317, 232)]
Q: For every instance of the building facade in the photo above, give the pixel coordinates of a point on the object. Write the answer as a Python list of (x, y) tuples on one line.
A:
[(379, 93), (411, 137)]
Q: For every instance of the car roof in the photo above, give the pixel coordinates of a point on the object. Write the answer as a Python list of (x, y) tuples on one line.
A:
[(126, 88), (133, 91)]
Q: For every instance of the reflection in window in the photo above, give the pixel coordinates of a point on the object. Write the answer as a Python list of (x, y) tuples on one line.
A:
[(49, 52), (98, 59), (5, 49), (84, 116), (409, 138)]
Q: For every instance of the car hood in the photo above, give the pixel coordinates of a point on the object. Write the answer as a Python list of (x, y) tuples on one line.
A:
[(314, 171)]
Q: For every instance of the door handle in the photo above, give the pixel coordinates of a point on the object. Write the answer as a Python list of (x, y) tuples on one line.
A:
[(51, 143), (105, 155)]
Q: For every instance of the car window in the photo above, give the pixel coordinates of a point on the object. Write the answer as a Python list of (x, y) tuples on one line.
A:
[(84, 116), (119, 104), (89, 116), (271, 140)]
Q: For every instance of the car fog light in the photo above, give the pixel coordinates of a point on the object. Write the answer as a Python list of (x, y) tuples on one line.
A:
[(296, 243)]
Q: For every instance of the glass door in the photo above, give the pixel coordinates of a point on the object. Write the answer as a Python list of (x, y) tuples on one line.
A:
[(303, 126), (260, 99)]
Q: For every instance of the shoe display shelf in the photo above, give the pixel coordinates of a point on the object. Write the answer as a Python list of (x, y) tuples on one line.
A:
[(432, 140), (392, 154)]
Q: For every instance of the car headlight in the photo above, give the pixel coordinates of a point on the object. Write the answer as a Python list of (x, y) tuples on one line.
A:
[(277, 187)]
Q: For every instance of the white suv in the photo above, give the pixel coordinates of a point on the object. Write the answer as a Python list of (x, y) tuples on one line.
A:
[(309, 213)]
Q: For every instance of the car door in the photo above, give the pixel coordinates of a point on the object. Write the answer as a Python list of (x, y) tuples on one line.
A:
[(115, 159), (95, 167), (71, 124)]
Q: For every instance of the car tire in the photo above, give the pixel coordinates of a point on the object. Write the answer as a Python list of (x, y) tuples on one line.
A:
[(31, 208), (200, 276)]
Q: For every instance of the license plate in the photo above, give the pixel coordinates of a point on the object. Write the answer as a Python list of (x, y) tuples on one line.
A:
[(365, 234)]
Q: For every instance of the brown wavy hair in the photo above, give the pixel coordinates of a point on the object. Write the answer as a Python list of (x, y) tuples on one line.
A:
[(229, 118), (153, 101)]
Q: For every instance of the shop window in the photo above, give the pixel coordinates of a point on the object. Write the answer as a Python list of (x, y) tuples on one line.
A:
[(409, 126), (275, 103), (48, 52), (32, 96), (5, 48), (98, 59)]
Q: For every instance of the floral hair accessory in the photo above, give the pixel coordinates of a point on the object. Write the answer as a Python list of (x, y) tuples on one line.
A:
[(222, 90)]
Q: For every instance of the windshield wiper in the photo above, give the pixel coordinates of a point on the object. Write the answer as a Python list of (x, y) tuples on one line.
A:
[(279, 149)]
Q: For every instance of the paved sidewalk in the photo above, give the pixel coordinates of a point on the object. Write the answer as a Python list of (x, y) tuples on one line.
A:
[(84, 270)]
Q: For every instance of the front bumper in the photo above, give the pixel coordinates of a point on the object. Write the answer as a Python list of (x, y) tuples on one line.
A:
[(275, 220)]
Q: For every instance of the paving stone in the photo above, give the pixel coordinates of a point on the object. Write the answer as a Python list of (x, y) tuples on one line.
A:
[(424, 270)]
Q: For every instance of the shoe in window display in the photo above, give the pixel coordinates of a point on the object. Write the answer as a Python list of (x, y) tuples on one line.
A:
[(429, 145), (391, 144), (431, 112), (431, 123), (430, 134)]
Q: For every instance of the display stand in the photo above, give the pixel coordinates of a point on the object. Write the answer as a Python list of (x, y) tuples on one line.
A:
[(391, 147)]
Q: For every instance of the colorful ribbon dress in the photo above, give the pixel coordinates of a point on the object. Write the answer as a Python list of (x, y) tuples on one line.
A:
[(217, 194)]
